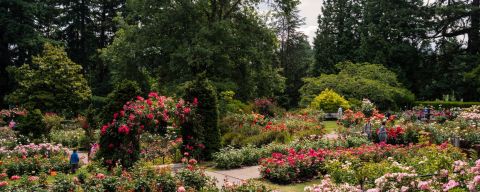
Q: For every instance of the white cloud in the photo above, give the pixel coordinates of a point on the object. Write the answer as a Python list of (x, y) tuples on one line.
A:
[(310, 9)]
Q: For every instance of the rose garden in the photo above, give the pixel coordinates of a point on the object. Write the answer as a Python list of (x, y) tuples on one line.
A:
[(240, 95), (136, 148)]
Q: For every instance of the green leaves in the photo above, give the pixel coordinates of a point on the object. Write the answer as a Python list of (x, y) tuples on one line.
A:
[(51, 83), (360, 81)]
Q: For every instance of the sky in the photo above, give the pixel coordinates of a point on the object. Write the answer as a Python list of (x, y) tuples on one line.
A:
[(310, 9)]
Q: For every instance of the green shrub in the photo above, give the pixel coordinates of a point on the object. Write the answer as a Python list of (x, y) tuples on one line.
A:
[(329, 101), (446, 104), (203, 92), (363, 80), (33, 126), (63, 183), (124, 91), (52, 82), (53, 121), (8, 138), (227, 104), (70, 138), (267, 137)]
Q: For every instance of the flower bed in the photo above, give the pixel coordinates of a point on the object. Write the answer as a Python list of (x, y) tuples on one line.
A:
[(295, 166), (361, 164), (464, 177), (230, 157)]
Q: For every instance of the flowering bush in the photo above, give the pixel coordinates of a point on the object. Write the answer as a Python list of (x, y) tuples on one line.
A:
[(245, 186), (119, 138), (230, 157), (367, 108), (193, 177), (42, 149), (34, 165), (326, 185), (8, 138), (265, 107), (9, 115), (295, 166)]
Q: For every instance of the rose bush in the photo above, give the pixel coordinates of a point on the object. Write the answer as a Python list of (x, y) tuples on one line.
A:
[(119, 142), (295, 166)]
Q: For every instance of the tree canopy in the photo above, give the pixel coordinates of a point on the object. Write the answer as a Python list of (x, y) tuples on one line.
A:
[(358, 81), (52, 83)]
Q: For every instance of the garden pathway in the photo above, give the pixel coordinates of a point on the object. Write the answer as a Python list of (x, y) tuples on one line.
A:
[(234, 175), (331, 136), (83, 155)]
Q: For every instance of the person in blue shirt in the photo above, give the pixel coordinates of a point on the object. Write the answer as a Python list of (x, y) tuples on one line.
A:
[(74, 161)]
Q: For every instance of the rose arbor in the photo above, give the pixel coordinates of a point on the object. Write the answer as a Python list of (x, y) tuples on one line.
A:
[(120, 138)]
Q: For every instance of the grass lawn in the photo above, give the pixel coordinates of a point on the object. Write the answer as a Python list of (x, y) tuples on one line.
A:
[(330, 126), (298, 187)]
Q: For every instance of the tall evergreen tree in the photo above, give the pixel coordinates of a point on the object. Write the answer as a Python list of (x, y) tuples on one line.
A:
[(294, 54), (19, 40), (337, 37)]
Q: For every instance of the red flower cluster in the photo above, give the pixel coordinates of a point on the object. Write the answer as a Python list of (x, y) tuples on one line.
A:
[(393, 132), (275, 127)]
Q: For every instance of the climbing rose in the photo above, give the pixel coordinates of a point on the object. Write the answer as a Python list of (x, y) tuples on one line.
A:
[(150, 116), (124, 129), (195, 101), (186, 110)]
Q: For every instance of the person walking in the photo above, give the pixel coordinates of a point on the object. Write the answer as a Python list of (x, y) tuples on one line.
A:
[(367, 129), (382, 133), (74, 159)]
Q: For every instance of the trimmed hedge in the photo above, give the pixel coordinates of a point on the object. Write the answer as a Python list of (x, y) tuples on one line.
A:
[(446, 104)]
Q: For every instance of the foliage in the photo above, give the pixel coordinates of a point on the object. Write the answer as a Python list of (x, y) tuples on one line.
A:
[(227, 104), (124, 91), (71, 138), (360, 81), (63, 184), (53, 121), (329, 101), (51, 83), (235, 48), (8, 138), (32, 126), (202, 93)]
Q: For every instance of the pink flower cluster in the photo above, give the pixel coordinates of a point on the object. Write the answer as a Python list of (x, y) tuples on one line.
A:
[(326, 185), (36, 149), (151, 113)]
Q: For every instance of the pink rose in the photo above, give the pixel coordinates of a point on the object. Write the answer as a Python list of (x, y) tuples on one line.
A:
[(181, 189)]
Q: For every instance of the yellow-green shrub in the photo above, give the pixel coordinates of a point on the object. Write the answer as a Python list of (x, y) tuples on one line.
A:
[(329, 101)]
